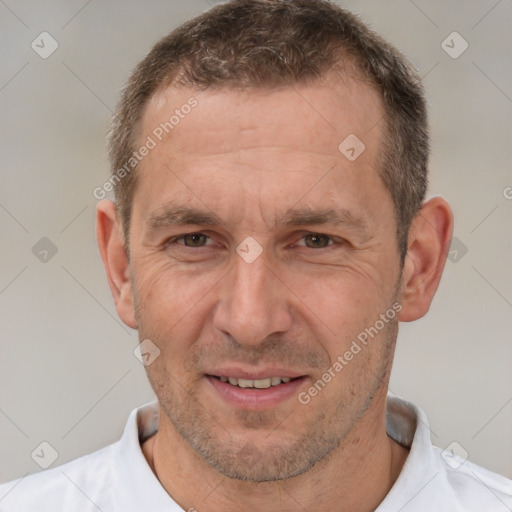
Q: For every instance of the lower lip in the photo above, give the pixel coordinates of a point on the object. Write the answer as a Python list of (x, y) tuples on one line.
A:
[(256, 399)]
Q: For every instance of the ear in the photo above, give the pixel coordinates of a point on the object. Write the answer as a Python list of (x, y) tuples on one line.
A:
[(429, 242), (110, 238)]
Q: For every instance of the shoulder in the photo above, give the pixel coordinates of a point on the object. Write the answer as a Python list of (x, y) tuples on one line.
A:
[(475, 487), (71, 486), (114, 478), (435, 479)]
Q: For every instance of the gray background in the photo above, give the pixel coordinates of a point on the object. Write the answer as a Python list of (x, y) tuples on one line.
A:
[(68, 375)]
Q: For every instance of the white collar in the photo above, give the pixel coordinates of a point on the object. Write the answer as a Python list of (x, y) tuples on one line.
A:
[(425, 483)]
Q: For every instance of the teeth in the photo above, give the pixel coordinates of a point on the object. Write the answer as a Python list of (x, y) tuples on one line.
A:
[(262, 383), (245, 383), (258, 383)]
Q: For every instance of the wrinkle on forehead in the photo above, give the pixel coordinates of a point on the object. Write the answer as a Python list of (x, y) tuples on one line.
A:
[(252, 155), (307, 116)]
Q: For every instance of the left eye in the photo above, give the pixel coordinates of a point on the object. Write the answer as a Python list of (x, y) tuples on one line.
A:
[(316, 241), (193, 239)]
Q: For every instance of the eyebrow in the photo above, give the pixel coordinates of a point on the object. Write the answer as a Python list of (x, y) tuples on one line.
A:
[(182, 215), (187, 215), (308, 216)]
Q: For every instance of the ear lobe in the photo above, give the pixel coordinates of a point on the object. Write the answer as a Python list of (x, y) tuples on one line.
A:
[(109, 235), (429, 242)]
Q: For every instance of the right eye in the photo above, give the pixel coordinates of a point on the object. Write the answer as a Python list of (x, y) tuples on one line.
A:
[(192, 239)]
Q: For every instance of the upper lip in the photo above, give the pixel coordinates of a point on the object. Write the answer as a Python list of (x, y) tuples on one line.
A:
[(254, 374)]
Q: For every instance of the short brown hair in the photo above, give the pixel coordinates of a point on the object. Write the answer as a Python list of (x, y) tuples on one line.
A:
[(273, 43)]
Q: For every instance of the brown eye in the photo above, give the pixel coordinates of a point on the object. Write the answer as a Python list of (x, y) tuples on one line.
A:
[(317, 241), (194, 240)]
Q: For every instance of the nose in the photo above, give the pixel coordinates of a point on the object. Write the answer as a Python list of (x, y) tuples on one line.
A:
[(254, 302)]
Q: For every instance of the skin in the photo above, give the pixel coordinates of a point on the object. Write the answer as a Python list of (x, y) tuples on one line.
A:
[(251, 158)]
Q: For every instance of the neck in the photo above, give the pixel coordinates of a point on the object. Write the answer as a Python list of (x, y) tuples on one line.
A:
[(355, 476)]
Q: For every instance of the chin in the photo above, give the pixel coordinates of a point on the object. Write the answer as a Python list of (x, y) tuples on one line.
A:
[(264, 462)]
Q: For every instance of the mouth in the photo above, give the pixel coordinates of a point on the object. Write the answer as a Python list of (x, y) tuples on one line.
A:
[(237, 389), (254, 383)]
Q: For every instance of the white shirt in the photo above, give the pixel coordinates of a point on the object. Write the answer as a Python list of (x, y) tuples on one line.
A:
[(118, 477)]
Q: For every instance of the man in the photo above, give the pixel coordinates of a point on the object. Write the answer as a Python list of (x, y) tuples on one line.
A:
[(270, 230)]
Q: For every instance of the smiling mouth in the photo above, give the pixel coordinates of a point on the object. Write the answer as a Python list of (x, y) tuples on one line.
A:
[(255, 383)]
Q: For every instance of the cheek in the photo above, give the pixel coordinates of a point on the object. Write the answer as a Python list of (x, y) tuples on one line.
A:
[(343, 311), (343, 297), (172, 306)]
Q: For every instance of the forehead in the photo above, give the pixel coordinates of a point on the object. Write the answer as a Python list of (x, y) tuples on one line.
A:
[(230, 149), (310, 118)]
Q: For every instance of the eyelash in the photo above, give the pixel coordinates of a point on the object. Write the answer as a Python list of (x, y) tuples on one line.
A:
[(175, 239), (180, 237)]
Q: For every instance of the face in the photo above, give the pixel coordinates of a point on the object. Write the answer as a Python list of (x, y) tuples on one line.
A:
[(259, 254)]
